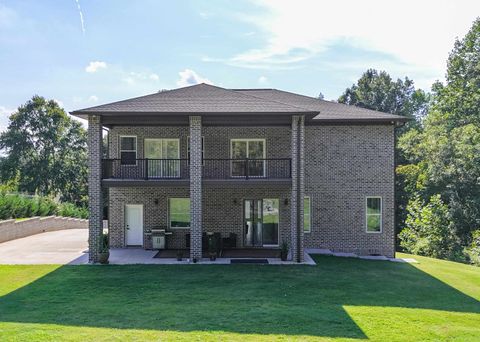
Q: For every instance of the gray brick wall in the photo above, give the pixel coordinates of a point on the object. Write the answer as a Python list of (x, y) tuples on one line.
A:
[(343, 165), (196, 187)]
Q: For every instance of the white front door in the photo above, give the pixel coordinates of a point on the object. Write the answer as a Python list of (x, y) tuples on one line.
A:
[(134, 224)]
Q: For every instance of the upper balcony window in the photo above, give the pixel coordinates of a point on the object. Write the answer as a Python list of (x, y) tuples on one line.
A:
[(248, 157), (163, 157), (128, 150)]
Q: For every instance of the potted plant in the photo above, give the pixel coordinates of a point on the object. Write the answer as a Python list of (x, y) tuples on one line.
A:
[(104, 252), (179, 255), (284, 251), (212, 248)]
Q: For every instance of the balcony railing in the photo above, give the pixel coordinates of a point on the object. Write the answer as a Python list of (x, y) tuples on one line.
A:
[(220, 169)]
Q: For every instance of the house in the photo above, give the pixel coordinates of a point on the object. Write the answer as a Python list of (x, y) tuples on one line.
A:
[(258, 167)]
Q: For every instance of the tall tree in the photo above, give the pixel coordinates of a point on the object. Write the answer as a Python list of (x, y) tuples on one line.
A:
[(445, 154), (45, 151)]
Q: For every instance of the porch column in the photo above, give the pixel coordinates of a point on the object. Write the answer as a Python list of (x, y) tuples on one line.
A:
[(298, 187), (195, 187), (95, 202)]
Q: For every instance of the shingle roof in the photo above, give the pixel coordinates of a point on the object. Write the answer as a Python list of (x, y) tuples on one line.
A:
[(207, 99), (328, 110), (200, 98)]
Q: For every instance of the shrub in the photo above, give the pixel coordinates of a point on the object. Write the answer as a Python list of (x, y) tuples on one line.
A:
[(21, 206), (473, 250)]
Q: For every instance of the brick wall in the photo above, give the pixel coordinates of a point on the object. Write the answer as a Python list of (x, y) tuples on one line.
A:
[(343, 165)]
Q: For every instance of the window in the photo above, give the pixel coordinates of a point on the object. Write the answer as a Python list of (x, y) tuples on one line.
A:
[(252, 149), (374, 214), (163, 157), (179, 212), (271, 208), (307, 214), (188, 151), (128, 150)]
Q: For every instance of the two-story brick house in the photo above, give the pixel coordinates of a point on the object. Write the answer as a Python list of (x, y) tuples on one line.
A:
[(261, 166)]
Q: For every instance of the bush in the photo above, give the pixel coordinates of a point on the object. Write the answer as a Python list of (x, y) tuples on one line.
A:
[(21, 206), (473, 250)]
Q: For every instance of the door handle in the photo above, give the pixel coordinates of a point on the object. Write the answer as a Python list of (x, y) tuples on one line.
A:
[(128, 227)]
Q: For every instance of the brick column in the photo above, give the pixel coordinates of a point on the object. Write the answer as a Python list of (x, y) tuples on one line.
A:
[(301, 183), (195, 187), (95, 203), (294, 191)]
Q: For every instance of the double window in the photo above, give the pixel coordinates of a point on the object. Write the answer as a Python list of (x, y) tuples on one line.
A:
[(128, 150), (373, 213), (248, 157)]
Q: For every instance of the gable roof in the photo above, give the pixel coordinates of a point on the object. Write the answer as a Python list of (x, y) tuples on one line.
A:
[(199, 99), (328, 110)]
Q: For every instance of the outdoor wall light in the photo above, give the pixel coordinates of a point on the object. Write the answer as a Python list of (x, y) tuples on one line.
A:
[(156, 201), (235, 201), (286, 201)]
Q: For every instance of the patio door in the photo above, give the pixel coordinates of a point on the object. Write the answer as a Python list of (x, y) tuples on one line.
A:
[(261, 218), (163, 158), (134, 224), (248, 157)]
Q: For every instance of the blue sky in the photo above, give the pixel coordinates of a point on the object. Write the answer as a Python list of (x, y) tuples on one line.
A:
[(89, 52)]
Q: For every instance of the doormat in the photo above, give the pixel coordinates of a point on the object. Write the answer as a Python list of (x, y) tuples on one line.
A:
[(249, 261)]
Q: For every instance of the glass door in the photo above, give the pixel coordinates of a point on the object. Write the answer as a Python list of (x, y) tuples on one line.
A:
[(163, 158), (261, 222), (248, 157), (253, 223)]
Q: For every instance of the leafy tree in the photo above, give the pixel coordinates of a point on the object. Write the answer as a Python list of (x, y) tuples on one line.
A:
[(445, 153), (45, 151), (376, 90), (427, 230)]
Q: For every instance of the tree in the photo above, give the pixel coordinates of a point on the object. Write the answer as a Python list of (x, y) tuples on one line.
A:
[(376, 90), (45, 151), (445, 153)]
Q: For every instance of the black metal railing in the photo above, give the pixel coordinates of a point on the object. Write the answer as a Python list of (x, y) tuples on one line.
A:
[(148, 169), (145, 169), (247, 168)]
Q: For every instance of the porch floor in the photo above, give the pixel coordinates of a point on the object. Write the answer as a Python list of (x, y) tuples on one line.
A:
[(226, 253)]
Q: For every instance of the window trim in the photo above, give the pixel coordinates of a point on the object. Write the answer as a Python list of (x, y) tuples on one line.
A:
[(247, 140), (310, 214), (367, 215), (120, 149), (168, 214)]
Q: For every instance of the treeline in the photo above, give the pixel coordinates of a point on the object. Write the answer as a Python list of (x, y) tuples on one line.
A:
[(438, 153)]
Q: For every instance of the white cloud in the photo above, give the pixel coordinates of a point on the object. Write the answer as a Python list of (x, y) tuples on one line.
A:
[(93, 98), (189, 77), (82, 22), (417, 34), (262, 80), (94, 66), (154, 77)]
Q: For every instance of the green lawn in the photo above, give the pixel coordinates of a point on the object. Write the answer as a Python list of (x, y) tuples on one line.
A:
[(339, 299)]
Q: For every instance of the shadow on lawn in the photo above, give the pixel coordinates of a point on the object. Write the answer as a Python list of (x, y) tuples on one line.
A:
[(292, 300)]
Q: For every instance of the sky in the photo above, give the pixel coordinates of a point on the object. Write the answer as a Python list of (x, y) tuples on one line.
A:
[(88, 52)]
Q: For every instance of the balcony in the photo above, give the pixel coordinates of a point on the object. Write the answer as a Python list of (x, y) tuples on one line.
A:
[(175, 170)]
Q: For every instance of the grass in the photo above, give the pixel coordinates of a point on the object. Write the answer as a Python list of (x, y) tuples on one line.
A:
[(339, 299)]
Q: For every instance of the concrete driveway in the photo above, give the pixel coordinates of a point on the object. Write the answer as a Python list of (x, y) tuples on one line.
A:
[(67, 246)]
